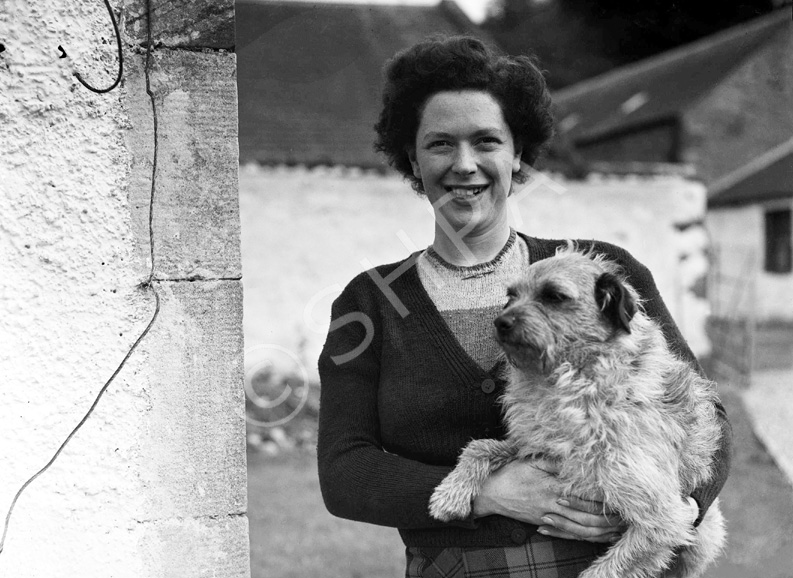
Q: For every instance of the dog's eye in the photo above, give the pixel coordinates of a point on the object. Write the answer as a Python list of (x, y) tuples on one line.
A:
[(551, 295)]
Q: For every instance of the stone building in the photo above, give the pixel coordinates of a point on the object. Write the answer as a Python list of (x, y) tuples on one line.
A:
[(309, 92), (721, 105), (714, 104), (310, 74), (751, 280)]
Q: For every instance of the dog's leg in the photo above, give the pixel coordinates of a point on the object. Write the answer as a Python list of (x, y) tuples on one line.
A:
[(453, 498), (639, 553), (708, 543), (658, 523)]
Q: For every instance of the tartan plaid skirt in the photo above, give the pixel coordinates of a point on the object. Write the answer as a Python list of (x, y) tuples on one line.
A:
[(540, 557)]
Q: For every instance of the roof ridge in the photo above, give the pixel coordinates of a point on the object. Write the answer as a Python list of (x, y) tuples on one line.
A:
[(373, 3), (754, 166), (708, 42)]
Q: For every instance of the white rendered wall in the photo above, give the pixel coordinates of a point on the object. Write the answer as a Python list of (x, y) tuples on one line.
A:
[(330, 225), (154, 484)]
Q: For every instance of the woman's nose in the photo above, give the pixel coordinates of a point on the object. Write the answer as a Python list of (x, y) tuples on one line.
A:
[(464, 160)]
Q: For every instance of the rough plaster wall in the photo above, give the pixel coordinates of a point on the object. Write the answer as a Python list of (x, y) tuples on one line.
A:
[(154, 484), (748, 114), (325, 224), (738, 234)]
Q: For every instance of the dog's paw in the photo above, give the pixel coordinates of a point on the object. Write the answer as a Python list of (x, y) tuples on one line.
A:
[(450, 502)]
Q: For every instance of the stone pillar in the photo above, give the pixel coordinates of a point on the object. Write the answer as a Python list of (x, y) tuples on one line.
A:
[(154, 483)]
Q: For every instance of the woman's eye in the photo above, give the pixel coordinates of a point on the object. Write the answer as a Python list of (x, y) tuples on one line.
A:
[(489, 142), (439, 143)]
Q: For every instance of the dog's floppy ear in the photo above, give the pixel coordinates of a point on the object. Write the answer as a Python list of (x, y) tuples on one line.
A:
[(615, 301)]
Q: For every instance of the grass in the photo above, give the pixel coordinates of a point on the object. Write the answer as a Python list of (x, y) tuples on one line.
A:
[(293, 535)]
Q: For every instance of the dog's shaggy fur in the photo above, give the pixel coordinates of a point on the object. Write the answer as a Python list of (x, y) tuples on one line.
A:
[(594, 387)]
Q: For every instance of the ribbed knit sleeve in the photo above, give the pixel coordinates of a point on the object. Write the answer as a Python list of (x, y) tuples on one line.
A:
[(642, 280), (358, 479)]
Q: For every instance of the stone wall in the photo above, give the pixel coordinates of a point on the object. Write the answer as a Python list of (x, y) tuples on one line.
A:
[(305, 234), (154, 483)]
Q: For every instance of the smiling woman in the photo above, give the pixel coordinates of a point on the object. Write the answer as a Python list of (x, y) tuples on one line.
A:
[(457, 120), (465, 157), (411, 372)]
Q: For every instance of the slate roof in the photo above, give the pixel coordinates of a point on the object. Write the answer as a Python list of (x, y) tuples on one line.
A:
[(661, 87), (309, 75), (768, 177)]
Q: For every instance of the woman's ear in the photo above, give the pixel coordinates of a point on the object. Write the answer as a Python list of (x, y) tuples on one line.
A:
[(413, 162), (516, 159)]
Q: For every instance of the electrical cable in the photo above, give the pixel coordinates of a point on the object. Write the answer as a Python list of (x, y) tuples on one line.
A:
[(149, 283), (120, 58)]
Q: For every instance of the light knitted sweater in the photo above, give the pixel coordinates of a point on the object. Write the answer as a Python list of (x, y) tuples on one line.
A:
[(469, 298), (401, 396)]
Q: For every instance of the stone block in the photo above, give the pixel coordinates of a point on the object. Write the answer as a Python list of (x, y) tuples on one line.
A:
[(195, 547), (182, 23), (191, 450), (196, 207)]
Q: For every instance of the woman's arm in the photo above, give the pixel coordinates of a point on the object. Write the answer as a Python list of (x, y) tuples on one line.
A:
[(359, 480)]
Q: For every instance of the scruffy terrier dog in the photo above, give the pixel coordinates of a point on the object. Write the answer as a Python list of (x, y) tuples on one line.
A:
[(594, 388)]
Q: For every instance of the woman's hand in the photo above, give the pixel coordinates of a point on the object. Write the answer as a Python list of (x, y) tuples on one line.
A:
[(529, 491)]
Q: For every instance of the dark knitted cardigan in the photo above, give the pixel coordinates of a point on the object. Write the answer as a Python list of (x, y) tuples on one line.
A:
[(400, 398)]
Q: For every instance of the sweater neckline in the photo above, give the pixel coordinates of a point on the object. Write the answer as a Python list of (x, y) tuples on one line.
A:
[(420, 302), (479, 268)]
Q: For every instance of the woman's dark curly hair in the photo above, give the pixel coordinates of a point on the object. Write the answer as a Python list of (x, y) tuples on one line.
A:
[(461, 63)]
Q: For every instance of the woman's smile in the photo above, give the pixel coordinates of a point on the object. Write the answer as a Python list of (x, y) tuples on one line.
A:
[(465, 157), (465, 192)]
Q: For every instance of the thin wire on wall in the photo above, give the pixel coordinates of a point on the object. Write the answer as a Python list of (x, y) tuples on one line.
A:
[(147, 284), (120, 58)]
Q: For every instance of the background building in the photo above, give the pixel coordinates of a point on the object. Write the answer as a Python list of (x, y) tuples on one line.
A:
[(715, 104)]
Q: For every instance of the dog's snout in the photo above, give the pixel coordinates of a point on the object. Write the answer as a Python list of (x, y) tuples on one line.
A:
[(504, 323)]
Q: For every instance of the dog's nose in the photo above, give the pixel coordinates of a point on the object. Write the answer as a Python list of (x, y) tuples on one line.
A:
[(504, 323)]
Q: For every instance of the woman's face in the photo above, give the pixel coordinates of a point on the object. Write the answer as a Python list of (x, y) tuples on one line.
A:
[(465, 157)]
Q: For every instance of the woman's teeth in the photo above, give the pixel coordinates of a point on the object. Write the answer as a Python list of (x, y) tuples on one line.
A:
[(465, 191)]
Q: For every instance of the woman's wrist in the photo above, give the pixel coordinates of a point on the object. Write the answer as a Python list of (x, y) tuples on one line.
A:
[(484, 504), (480, 507)]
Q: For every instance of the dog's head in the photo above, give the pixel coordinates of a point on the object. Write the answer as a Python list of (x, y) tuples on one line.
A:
[(566, 304)]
